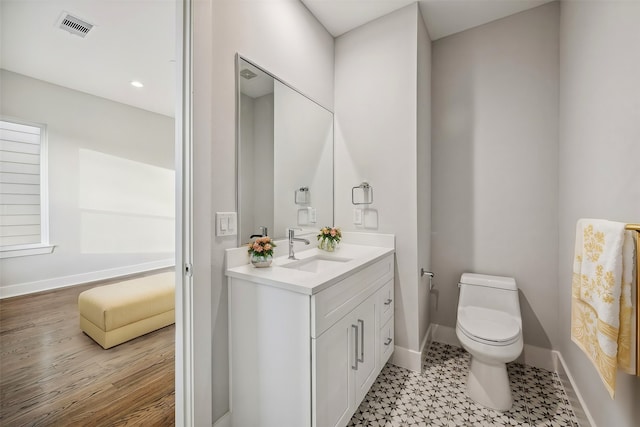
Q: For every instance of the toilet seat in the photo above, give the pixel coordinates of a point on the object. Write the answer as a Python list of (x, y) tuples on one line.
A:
[(488, 326)]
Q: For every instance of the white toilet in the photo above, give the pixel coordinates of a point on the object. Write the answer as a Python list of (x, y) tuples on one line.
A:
[(489, 327)]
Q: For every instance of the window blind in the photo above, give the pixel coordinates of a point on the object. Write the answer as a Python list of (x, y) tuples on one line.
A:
[(20, 192)]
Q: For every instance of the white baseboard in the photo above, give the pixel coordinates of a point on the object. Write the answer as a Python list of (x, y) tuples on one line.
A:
[(77, 279), (577, 403), (426, 341), (223, 421), (408, 359)]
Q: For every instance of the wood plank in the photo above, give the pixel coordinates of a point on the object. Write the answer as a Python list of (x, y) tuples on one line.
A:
[(53, 374)]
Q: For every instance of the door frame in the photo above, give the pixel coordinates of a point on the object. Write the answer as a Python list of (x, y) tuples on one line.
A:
[(184, 374)]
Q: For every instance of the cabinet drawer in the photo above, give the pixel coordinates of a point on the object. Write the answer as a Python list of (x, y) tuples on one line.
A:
[(385, 303), (386, 342), (333, 303)]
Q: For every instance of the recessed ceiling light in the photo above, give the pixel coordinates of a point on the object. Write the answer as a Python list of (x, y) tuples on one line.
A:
[(136, 83)]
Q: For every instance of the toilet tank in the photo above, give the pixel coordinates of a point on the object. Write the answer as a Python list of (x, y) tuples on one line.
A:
[(492, 292)]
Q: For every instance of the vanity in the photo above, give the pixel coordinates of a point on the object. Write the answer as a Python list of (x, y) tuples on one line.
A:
[(308, 337)]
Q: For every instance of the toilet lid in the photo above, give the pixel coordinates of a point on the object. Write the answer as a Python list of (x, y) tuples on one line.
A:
[(492, 326)]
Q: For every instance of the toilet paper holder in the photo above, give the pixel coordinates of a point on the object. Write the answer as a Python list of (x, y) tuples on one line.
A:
[(424, 272)]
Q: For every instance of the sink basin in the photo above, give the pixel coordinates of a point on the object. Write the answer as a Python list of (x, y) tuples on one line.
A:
[(316, 263)]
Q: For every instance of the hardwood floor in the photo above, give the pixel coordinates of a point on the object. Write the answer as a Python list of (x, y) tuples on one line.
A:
[(52, 374)]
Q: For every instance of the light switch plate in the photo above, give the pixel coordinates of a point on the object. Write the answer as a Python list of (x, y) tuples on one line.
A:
[(226, 224)]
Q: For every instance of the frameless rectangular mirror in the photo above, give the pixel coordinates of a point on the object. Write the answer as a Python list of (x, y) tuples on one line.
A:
[(284, 157)]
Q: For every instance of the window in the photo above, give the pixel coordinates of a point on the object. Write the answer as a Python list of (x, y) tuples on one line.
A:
[(24, 221)]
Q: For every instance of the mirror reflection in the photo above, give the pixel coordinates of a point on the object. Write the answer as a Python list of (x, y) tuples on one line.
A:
[(285, 158)]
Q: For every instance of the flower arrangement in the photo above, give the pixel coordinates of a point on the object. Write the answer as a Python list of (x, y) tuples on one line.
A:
[(262, 247), (329, 237)]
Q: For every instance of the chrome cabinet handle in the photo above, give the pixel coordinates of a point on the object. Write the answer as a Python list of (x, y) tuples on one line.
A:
[(389, 301), (388, 341), (361, 359), (355, 338)]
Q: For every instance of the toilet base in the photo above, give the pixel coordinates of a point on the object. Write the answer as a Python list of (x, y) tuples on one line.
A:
[(488, 385)]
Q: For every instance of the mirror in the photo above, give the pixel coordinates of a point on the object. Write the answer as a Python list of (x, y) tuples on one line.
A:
[(284, 157)]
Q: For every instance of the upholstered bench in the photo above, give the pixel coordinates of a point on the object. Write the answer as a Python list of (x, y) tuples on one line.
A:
[(113, 314)]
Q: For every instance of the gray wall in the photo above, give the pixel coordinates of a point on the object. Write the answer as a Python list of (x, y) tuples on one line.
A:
[(599, 169), (283, 37), (494, 159), (85, 131)]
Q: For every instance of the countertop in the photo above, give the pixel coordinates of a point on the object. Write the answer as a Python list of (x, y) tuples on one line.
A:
[(358, 257)]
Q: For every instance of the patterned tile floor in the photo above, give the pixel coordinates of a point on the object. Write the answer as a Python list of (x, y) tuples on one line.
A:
[(436, 397)]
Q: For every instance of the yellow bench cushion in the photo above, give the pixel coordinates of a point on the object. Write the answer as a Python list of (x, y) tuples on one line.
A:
[(116, 313)]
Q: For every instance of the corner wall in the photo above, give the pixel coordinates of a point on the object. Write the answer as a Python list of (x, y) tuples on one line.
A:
[(599, 169), (376, 138), (494, 159), (100, 229)]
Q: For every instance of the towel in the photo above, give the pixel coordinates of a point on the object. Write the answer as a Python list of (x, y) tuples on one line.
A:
[(601, 303), (627, 338)]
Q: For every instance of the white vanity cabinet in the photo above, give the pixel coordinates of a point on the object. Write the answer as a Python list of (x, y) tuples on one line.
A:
[(345, 365), (308, 359)]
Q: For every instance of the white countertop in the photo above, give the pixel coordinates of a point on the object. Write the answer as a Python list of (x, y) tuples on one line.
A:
[(359, 256)]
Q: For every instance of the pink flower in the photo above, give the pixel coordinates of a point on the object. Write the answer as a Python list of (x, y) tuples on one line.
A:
[(267, 247), (333, 232), (257, 247)]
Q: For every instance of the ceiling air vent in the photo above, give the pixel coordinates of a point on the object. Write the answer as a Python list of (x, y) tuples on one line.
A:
[(74, 25)]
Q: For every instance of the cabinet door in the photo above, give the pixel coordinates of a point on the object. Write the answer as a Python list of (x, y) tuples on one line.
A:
[(365, 318), (333, 379), (385, 301), (386, 344)]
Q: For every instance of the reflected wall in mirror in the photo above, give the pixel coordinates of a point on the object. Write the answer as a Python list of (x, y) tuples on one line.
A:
[(285, 157)]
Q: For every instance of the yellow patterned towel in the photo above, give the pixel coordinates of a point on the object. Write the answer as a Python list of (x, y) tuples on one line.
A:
[(601, 305)]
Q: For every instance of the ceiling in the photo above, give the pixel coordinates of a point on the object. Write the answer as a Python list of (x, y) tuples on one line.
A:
[(131, 40), (136, 39), (442, 17)]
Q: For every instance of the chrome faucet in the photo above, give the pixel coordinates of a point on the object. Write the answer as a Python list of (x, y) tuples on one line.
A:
[(263, 230), (292, 239)]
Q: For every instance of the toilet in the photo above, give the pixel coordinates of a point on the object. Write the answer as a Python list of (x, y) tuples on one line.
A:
[(489, 327)]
